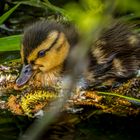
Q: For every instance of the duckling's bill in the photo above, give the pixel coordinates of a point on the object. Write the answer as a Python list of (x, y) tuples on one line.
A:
[(25, 75)]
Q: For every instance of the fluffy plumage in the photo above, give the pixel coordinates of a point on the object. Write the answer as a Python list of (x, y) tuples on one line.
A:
[(47, 44)]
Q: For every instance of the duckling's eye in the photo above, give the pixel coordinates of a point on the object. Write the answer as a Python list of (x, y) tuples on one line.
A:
[(41, 53)]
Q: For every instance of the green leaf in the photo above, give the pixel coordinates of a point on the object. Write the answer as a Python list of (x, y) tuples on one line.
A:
[(10, 43), (7, 14), (135, 100)]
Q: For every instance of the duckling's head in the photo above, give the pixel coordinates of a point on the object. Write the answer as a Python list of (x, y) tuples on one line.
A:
[(45, 47)]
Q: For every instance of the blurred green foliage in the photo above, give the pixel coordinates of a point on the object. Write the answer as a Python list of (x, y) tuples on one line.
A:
[(87, 15), (129, 5), (10, 43)]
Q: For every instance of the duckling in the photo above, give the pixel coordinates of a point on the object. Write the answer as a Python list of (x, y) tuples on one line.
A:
[(46, 47)]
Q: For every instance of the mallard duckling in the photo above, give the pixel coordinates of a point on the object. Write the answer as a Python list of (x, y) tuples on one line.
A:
[(46, 46)]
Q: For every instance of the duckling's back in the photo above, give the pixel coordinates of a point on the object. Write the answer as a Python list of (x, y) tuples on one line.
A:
[(116, 54)]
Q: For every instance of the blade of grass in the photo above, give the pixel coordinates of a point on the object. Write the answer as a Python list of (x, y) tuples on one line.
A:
[(8, 13), (121, 96), (10, 43)]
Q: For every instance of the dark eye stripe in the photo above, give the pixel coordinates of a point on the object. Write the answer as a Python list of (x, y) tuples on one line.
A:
[(48, 49), (55, 41)]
